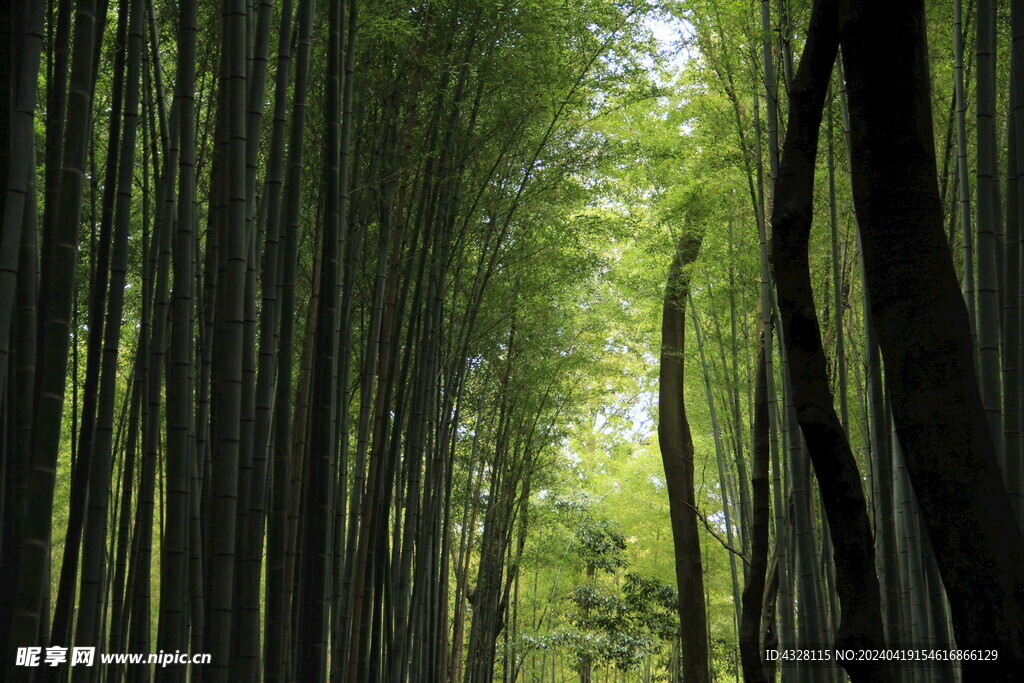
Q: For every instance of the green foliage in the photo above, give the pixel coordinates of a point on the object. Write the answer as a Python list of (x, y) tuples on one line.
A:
[(570, 148), (601, 546), (619, 626)]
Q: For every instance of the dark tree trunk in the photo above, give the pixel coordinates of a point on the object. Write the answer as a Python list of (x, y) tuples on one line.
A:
[(88, 631), (56, 296), (754, 670), (320, 452), (18, 287), (677, 457), (229, 340), (174, 598), (924, 333), (100, 262), (834, 465)]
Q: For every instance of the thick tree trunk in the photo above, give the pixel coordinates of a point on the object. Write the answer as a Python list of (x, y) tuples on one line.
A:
[(19, 168), (836, 469), (876, 431), (18, 286), (924, 333), (834, 463), (57, 291), (100, 265)]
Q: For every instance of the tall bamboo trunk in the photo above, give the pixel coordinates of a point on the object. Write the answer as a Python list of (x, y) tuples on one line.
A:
[(988, 284), (924, 331), (181, 450), (834, 465), (229, 336), (754, 670), (93, 593), (56, 293), (677, 457)]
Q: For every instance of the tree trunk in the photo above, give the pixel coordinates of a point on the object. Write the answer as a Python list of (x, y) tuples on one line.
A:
[(1015, 460), (229, 339), (677, 457), (754, 670), (924, 333), (834, 464), (278, 609), (56, 296), (93, 592), (180, 436), (988, 281), (964, 180)]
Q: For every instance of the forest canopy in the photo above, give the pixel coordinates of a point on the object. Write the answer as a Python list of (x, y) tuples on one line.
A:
[(475, 340)]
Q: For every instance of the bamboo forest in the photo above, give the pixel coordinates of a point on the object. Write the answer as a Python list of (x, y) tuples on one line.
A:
[(531, 341)]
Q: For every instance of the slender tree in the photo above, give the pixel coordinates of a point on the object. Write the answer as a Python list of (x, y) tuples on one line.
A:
[(754, 668), (988, 285), (174, 599), (93, 591), (677, 456), (229, 316)]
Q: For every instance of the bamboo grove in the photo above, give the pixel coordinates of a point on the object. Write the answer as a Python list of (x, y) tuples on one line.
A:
[(251, 259), (332, 334), (896, 550)]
